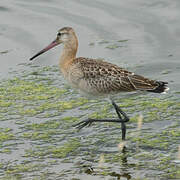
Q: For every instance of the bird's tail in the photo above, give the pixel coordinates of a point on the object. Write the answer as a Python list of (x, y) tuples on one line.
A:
[(161, 87)]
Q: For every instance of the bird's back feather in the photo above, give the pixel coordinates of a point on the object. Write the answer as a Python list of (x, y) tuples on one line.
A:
[(104, 77)]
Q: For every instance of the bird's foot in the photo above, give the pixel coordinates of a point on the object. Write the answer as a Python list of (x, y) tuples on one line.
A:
[(86, 122)]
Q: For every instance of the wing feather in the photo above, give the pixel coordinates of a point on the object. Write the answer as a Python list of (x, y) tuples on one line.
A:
[(108, 78)]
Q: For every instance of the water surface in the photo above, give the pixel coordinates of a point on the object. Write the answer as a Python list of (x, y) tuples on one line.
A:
[(38, 108)]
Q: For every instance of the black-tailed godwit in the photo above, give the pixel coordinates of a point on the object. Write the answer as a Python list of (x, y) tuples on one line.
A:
[(97, 77)]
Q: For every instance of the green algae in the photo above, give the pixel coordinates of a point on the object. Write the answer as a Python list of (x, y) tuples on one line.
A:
[(21, 168), (68, 148), (113, 46), (44, 112), (123, 40), (14, 91), (17, 89), (158, 140), (12, 177), (63, 151), (103, 112), (43, 126), (91, 44), (103, 41), (166, 71), (4, 52), (38, 135), (6, 134)]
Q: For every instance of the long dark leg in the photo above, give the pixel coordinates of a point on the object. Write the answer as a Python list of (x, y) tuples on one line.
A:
[(121, 120)]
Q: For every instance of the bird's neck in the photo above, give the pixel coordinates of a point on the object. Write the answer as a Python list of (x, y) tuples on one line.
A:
[(69, 53)]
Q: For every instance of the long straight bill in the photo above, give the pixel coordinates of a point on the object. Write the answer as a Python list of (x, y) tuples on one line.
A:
[(53, 44)]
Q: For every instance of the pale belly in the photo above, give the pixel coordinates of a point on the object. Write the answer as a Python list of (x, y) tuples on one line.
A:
[(88, 90), (89, 87)]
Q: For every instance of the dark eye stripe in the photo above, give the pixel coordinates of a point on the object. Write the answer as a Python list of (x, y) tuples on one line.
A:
[(60, 34)]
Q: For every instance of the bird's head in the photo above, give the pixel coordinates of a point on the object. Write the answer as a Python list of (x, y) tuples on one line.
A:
[(64, 36)]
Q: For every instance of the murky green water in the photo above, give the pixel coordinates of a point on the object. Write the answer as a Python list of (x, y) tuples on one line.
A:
[(38, 141), (38, 108)]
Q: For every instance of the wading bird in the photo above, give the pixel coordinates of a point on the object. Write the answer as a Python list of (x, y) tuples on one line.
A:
[(98, 78)]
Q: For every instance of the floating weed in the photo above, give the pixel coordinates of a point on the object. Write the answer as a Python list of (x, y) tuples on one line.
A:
[(73, 103), (49, 69), (6, 134), (103, 113), (69, 148), (41, 131), (69, 119), (1, 165), (36, 153), (12, 177), (103, 42), (173, 133), (66, 149), (153, 115), (60, 105), (113, 46), (28, 112), (127, 103), (5, 104), (145, 155), (135, 118), (38, 135), (91, 44), (170, 169), (116, 158), (43, 126), (123, 40), (166, 71), (40, 111), (158, 140), (21, 168), (4, 52), (17, 89)]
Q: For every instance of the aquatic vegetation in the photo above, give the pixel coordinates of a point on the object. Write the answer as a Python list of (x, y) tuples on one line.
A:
[(91, 44), (4, 52), (123, 40), (109, 44), (113, 46), (6, 134), (37, 113), (67, 148), (19, 169), (103, 41)]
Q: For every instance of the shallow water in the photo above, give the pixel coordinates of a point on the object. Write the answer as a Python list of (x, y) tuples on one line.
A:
[(37, 108)]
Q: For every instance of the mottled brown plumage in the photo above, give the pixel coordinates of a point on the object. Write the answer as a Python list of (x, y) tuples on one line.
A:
[(107, 78), (97, 77)]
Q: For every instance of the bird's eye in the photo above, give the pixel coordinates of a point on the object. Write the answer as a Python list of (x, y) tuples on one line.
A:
[(59, 34)]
